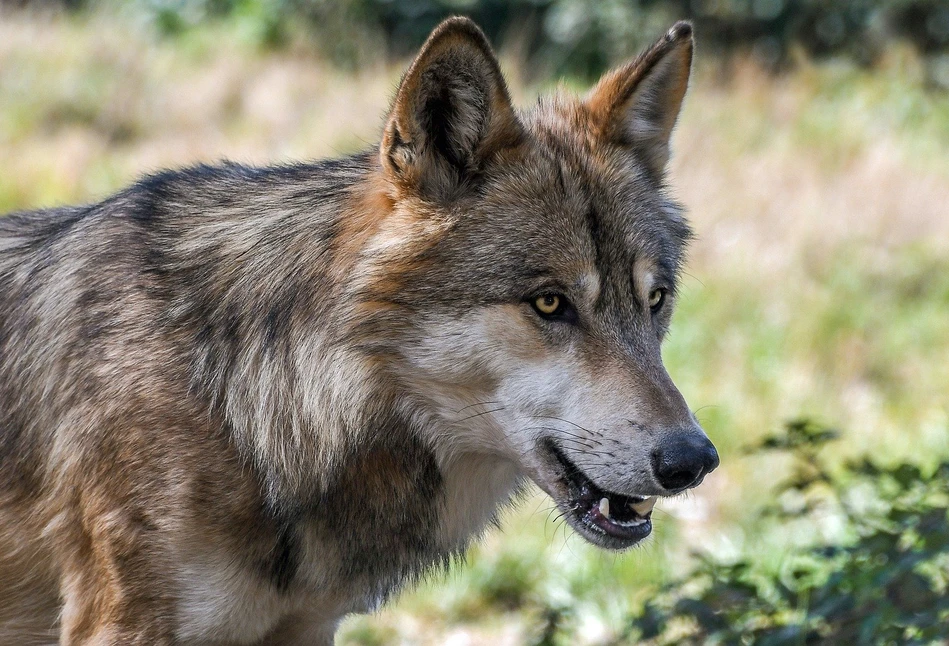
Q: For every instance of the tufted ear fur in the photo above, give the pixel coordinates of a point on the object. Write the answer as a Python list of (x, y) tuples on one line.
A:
[(451, 114), (636, 105)]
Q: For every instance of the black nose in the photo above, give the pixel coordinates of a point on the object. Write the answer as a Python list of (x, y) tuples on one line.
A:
[(681, 462)]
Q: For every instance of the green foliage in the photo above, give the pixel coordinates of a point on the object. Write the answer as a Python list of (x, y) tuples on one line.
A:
[(884, 581)]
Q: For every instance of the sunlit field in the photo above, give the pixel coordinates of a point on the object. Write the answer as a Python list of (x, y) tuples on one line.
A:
[(817, 287)]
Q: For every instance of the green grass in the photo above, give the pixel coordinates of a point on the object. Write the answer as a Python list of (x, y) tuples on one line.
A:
[(818, 286)]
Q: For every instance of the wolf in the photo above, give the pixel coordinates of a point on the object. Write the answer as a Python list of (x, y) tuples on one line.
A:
[(237, 404)]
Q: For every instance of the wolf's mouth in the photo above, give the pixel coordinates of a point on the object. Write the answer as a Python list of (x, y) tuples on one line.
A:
[(605, 518)]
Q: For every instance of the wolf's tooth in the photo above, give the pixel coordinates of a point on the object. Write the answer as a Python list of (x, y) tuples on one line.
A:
[(605, 507), (644, 507)]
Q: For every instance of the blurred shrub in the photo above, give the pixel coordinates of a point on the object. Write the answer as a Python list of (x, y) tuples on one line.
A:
[(507, 583), (574, 37), (884, 582), (870, 566)]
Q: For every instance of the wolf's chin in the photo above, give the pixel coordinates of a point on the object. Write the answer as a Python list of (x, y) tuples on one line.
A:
[(604, 518)]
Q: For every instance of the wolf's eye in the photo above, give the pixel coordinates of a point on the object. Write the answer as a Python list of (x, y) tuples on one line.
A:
[(656, 299), (547, 304), (553, 307)]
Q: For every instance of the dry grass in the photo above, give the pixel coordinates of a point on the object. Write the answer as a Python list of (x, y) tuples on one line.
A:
[(819, 285), (88, 107)]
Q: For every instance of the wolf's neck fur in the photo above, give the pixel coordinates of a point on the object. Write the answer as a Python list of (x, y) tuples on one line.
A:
[(311, 397)]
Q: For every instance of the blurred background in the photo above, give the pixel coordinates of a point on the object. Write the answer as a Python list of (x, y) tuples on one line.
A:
[(812, 336)]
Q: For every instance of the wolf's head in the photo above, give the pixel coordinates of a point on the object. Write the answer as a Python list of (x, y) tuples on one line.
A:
[(531, 261)]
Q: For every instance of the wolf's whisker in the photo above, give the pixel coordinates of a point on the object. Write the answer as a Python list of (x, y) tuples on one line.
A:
[(464, 408), (482, 413), (565, 421)]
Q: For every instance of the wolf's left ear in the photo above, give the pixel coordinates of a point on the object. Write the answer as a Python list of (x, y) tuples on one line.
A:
[(451, 114), (636, 105)]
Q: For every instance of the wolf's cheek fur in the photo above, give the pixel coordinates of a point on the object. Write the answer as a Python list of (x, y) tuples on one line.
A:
[(506, 391), (461, 359)]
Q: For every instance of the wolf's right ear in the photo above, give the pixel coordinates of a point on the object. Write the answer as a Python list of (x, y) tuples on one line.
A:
[(452, 113)]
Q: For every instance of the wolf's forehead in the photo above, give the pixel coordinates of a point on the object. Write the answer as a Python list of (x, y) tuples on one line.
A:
[(599, 235), (600, 195)]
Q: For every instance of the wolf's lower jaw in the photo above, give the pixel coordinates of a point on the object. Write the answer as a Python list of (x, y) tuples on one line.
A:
[(606, 519)]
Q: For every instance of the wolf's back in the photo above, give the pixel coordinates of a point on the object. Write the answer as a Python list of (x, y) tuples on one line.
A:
[(166, 281), (120, 325)]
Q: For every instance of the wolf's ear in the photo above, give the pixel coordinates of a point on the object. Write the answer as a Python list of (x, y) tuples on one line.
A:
[(636, 105), (451, 114)]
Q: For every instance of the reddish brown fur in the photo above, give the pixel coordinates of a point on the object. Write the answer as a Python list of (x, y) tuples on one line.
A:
[(615, 92)]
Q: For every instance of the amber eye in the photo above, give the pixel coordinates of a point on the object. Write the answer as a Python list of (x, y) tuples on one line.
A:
[(547, 304), (553, 307), (656, 298)]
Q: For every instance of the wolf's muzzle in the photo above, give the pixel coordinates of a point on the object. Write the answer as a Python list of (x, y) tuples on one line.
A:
[(684, 460)]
